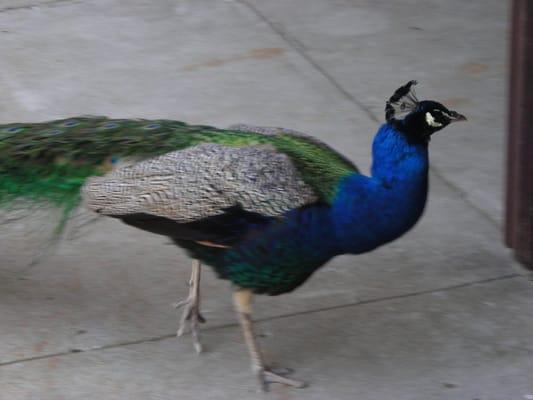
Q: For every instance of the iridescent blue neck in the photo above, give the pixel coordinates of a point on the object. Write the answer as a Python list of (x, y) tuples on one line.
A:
[(394, 158), (371, 211)]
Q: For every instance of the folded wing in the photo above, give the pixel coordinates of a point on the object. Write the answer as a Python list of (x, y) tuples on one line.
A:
[(200, 182)]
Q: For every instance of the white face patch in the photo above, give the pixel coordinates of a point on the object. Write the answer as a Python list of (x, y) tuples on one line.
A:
[(431, 121)]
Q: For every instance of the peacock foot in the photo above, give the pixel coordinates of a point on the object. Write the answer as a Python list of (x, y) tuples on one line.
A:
[(191, 316), (266, 376)]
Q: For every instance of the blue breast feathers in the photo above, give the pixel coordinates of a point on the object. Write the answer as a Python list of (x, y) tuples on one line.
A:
[(371, 211)]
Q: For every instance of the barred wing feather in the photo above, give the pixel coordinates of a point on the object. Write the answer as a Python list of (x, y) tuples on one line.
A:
[(200, 182)]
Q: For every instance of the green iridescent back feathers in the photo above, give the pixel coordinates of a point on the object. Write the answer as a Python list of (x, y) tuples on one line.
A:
[(49, 162)]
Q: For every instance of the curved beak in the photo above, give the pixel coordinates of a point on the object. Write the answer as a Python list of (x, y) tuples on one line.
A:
[(456, 117)]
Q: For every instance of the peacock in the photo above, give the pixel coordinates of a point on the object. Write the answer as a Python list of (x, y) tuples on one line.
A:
[(265, 207)]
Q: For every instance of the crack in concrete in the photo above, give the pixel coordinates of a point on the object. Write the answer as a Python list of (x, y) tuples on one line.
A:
[(260, 320)]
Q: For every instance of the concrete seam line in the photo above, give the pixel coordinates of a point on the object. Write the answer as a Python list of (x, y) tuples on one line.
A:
[(299, 48), (260, 320)]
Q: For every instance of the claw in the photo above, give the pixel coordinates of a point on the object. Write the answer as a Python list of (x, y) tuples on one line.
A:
[(281, 371), (191, 308), (192, 315), (180, 303), (267, 376), (183, 303)]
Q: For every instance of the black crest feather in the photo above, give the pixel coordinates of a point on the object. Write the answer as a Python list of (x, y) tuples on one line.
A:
[(402, 102)]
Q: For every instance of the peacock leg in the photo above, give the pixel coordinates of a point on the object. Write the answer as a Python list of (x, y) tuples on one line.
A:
[(191, 307), (243, 304)]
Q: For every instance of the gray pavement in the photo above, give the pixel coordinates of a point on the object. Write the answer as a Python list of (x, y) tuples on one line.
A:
[(442, 313)]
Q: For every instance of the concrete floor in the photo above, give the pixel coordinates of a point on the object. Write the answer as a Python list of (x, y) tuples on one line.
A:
[(442, 313)]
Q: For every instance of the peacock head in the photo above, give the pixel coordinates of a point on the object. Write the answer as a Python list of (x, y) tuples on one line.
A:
[(417, 120)]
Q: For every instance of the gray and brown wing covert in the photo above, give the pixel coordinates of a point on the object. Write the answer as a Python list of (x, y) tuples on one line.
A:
[(202, 181)]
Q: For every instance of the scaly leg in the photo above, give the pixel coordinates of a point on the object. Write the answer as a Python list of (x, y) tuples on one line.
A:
[(243, 304), (191, 304)]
